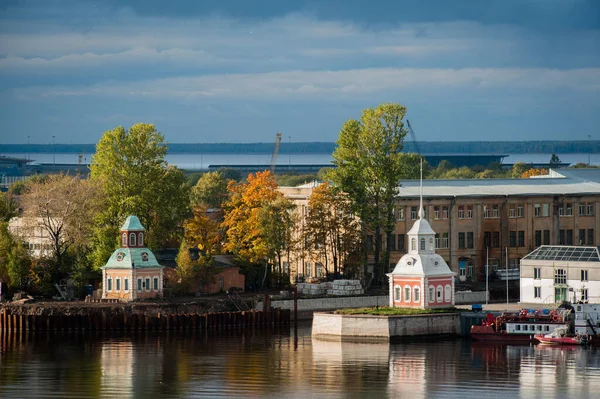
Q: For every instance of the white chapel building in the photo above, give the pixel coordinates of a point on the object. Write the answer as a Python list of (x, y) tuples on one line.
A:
[(421, 279)]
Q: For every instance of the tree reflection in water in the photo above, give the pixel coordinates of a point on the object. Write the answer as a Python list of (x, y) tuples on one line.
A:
[(282, 363)]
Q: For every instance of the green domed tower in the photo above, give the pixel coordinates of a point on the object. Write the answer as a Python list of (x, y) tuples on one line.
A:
[(132, 272)]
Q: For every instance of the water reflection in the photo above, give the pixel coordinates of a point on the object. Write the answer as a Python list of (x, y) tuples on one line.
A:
[(116, 365), (282, 363)]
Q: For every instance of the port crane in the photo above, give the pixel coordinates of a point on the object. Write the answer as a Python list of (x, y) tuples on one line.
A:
[(275, 152), (413, 137)]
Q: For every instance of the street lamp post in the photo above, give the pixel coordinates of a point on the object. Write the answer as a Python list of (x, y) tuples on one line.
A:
[(53, 151), (487, 274), (506, 276), (290, 154)]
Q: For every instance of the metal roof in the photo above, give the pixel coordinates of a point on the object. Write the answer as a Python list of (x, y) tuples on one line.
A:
[(564, 253), (132, 223), (132, 258), (571, 182)]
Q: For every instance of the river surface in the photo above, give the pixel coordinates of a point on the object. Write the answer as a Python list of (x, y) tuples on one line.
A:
[(202, 161), (286, 364)]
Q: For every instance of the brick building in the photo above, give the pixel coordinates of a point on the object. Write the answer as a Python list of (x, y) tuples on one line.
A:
[(503, 219), (477, 219), (302, 264)]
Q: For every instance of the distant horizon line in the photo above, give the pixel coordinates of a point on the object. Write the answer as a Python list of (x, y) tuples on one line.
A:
[(318, 142), (329, 147)]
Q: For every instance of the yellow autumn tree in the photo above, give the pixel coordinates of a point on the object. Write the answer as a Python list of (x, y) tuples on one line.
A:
[(203, 231), (242, 216), (534, 172)]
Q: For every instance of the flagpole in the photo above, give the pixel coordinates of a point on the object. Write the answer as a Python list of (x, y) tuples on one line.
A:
[(487, 273), (506, 252)]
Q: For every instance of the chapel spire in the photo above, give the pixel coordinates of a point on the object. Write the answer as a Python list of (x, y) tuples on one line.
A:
[(421, 210)]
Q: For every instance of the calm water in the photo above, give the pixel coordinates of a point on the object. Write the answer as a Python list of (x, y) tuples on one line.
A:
[(287, 365), (202, 161)]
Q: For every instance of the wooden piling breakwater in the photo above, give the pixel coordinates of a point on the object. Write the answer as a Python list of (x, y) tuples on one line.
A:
[(105, 319)]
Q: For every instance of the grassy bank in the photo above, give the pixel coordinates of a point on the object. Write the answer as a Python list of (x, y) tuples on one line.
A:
[(384, 311)]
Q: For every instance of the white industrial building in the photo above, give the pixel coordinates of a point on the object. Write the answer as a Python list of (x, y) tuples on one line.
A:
[(556, 273), (32, 233)]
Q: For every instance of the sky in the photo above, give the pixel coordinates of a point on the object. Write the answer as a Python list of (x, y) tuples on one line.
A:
[(210, 71)]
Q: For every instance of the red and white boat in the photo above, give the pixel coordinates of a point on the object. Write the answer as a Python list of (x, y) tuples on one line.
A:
[(521, 327), (561, 336)]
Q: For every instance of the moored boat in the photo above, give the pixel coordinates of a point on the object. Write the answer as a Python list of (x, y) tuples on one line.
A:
[(587, 322), (561, 336), (522, 326)]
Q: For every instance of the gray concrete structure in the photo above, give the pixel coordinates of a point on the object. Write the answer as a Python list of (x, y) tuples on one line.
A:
[(383, 328)]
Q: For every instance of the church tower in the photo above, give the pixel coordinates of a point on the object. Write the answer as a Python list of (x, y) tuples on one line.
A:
[(132, 272), (421, 278)]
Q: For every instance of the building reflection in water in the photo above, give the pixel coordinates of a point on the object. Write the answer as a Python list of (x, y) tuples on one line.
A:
[(560, 366), (540, 370), (235, 364), (116, 364), (360, 368)]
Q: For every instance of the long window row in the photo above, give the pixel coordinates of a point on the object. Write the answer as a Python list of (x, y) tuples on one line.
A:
[(492, 239), (560, 275), (410, 294), (121, 284), (491, 211), (132, 239)]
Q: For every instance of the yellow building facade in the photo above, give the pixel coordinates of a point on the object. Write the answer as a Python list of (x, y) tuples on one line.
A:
[(481, 220)]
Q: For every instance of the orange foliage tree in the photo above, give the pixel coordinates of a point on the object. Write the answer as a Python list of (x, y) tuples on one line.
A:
[(203, 231), (534, 172), (242, 215)]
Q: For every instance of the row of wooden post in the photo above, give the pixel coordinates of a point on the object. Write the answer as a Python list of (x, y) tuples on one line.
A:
[(105, 320)]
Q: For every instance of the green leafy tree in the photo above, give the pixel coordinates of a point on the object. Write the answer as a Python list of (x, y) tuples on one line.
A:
[(554, 160), (136, 180), (230, 174), (518, 169), (193, 272), (485, 174), (8, 207), (210, 191), (368, 168), (276, 222), (330, 227), (81, 269), (411, 166), (15, 262), (458, 173), (293, 180), (187, 268), (443, 167)]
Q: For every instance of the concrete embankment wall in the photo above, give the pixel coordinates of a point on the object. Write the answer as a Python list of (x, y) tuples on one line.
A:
[(469, 297), (306, 307), (383, 328)]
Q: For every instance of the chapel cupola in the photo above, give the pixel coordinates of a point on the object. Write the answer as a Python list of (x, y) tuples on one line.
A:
[(132, 233), (421, 236)]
